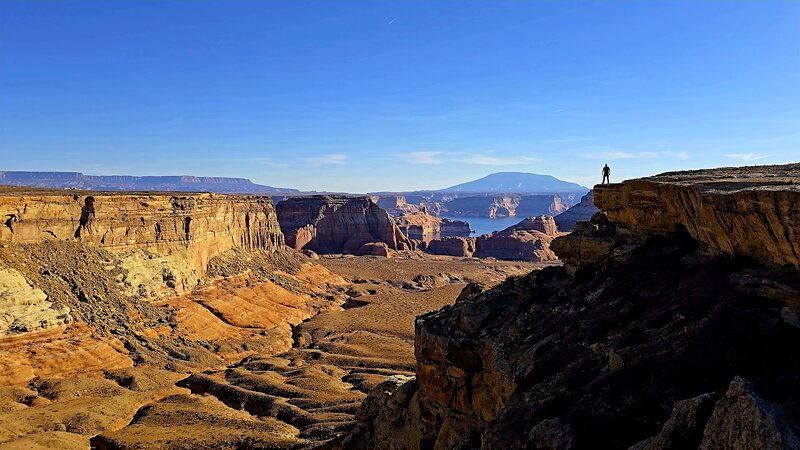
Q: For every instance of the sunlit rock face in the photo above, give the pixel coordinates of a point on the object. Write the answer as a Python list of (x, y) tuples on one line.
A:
[(749, 211), (196, 226)]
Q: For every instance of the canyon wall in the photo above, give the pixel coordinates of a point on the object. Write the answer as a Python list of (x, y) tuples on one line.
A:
[(506, 205), (337, 224), (644, 339), (196, 226)]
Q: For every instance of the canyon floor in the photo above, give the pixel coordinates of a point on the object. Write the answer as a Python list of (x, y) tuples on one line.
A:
[(266, 352)]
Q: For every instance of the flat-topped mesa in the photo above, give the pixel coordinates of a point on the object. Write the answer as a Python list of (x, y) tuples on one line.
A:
[(750, 211), (337, 224), (199, 226)]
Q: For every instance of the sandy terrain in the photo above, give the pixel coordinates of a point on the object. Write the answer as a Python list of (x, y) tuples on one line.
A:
[(278, 356)]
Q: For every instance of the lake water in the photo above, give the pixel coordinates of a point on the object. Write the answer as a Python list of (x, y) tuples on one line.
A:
[(484, 225)]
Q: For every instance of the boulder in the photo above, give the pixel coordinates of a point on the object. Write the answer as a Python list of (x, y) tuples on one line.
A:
[(743, 420)]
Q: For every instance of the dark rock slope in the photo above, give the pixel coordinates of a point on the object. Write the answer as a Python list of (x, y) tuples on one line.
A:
[(648, 338)]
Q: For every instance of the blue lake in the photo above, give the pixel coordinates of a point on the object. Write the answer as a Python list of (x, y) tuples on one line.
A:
[(484, 225)]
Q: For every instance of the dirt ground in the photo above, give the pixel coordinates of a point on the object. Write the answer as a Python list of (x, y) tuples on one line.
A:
[(262, 354)]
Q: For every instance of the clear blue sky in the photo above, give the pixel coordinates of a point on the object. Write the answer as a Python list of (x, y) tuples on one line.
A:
[(401, 95)]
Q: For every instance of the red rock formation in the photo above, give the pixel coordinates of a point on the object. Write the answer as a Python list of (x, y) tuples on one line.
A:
[(453, 246), (340, 224), (528, 240)]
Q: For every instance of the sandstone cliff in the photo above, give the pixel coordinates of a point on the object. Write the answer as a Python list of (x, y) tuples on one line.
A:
[(337, 224), (750, 211), (198, 227), (646, 340)]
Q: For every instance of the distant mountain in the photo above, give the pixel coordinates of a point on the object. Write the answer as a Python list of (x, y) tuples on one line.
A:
[(77, 180), (516, 183)]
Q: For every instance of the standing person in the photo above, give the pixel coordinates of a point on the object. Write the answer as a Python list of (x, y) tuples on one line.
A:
[(606, 174)]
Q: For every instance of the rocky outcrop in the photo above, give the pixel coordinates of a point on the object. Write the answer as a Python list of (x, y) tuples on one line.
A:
[(337, 224), (24, 308), (453, 246), (631, 344), (528, 240), (582, 211), (196, 226), (455, 228), (749, 211)]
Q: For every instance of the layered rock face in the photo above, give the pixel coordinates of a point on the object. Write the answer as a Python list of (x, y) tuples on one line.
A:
[(337, 224), (750, 211), (506, 206), (649, 342), (197, 226), (528, 240), (580, 212)]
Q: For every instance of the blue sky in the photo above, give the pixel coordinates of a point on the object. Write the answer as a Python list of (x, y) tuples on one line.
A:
[(364, 96)]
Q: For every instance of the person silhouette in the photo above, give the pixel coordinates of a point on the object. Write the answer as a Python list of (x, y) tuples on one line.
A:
[(606, 174)]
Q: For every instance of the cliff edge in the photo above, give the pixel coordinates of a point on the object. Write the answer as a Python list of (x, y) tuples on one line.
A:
[(672, 324)]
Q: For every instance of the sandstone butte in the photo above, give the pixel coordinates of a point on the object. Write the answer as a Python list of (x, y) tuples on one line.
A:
[(528, 240), (337, 224), (673, 324)]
